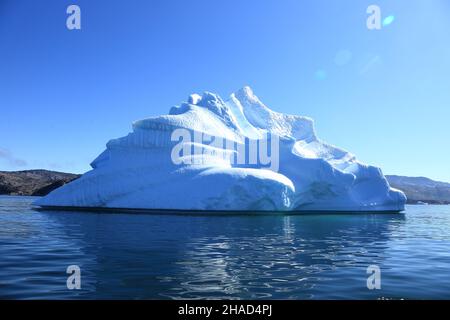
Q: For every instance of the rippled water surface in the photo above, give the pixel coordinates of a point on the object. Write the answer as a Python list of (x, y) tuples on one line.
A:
[(144, 256)]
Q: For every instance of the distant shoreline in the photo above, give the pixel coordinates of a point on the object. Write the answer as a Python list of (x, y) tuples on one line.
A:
[(39, 182)]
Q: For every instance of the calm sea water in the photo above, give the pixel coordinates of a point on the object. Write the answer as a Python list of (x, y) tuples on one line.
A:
[(142, 256)]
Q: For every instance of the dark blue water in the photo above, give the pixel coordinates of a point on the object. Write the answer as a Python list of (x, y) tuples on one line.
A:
[(140, 256)]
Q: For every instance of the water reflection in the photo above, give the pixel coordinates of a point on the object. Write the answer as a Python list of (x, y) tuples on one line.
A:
[(193, 257), (35, 253), (234, 257), (282, 257)]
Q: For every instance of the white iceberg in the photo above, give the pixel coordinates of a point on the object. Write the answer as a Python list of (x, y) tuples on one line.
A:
[(305, 174)]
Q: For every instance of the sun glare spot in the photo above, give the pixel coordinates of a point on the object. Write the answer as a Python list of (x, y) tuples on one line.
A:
[(388, 20)]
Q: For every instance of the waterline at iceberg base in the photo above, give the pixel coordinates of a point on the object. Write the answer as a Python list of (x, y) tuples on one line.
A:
[(139, 172)]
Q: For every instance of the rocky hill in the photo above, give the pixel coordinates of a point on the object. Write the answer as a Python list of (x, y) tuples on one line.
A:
[(32, 182), (420, 189)]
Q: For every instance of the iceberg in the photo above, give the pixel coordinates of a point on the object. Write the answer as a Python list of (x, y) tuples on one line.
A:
[(210, 154)]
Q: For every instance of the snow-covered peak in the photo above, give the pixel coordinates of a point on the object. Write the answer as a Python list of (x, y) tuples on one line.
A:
[(246, 94), (242, 113), (216, 105), (194, 98), (262, 117), (212, 102)]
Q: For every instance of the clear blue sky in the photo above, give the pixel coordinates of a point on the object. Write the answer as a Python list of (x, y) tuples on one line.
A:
[(384, 95)]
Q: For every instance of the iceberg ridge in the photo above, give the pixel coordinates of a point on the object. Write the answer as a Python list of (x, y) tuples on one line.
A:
[(138, 171)]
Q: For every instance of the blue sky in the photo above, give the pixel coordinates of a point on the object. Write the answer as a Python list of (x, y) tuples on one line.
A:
[(383, 94)]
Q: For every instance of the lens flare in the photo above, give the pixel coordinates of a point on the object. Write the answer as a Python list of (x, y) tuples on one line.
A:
[(388, 20), (320, 74)]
